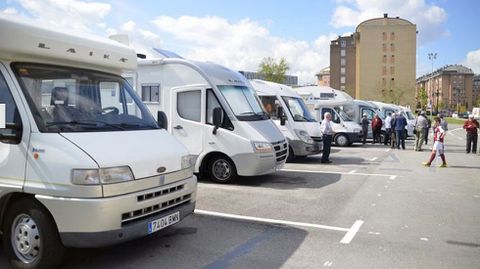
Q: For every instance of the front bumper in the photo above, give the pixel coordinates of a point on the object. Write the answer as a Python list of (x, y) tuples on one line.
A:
[(301, 148), (251, 164), (107, 221)]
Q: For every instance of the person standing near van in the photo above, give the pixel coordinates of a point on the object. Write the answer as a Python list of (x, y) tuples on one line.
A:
[(327, 131), (393, 138), (400, 123), (443, 123), (365, 123), (429, 125), (376, 128), (421, 125), (471, 126), (438, 147), (388, 128)]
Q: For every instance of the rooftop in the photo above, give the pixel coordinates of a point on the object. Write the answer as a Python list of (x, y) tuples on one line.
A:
[(452, 68)]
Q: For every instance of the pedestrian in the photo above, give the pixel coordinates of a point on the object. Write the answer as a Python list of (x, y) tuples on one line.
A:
[(365, 123), (376, 128), (429, 125), (327, 131), (393, 139), (443, 123), (471, 126), (438, 146), (400, 124), (421, 124), (388, 128)]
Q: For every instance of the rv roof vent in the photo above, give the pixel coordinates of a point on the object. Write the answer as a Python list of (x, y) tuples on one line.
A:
[(141, 56)]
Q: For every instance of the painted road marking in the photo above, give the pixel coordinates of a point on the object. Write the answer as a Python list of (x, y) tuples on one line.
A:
[(352, 172), (337, 172), (328, 264), (352, 232), (373, 159)]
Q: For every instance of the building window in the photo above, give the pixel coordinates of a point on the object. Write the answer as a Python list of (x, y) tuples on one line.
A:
[(151, 93), (384, 82), (343, 61), (392, 59), (342, 52), (384, 47), (392, 70), (392, 47), (384, 58), (392, 83), (342, 79), (384, 36), (342, 87), (343, 43), (384, 71), (392, 36), (342, 70)]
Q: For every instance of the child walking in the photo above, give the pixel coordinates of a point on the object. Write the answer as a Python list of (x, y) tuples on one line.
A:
[(438, 136)]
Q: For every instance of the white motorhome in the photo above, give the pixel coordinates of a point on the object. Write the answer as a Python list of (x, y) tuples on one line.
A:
[(326, 99), (289, 112), (385, 108), (215, 113), (82, 161)]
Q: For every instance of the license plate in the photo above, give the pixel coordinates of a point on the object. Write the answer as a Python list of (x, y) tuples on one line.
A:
[(161, 223)]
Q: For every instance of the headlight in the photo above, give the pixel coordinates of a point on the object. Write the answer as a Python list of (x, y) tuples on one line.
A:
[(357, 130), (188, 161), (304, 136), (262, 147), (102, 175)]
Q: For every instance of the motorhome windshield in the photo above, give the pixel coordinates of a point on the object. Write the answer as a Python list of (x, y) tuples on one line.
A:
[(298, 109), (344, 112), (409, 115), (243, 102), (75, 100)]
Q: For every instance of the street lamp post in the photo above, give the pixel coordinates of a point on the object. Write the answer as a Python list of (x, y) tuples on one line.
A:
[(433, 56)]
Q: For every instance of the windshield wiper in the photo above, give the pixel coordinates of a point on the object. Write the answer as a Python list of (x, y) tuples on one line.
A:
[(92, 123)]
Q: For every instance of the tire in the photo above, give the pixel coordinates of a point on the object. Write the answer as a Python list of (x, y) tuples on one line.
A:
[(291, 155), (341, 140), (39, 246), (222, 170)]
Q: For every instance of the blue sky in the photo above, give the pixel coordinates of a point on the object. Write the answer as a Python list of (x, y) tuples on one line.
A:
[(239, 34)]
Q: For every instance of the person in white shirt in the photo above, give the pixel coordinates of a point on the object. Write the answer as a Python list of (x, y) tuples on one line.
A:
[(388, 128), (327, 131)]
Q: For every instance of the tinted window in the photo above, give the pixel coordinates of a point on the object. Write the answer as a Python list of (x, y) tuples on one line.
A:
[(12, 114), (212, 102), (189, 105)]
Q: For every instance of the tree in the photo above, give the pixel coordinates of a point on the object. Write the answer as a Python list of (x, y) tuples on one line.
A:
[(273, 71), (423, 97)]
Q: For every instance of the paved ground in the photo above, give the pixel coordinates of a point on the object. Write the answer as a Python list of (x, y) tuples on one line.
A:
[(371, 208)]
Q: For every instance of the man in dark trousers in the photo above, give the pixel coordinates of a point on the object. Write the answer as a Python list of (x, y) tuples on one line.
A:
[(429, 125), (365, 123), (376, 128), (400, 123), (471, 126), (327, 131), (393, 137)]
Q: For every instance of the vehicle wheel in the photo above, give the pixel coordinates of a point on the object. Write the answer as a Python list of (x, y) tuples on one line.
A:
[(341, 140), (31, 237), (291, 155), (222, 170)]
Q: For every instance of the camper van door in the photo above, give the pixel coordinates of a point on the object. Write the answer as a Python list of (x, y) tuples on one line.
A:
[(187, 114)]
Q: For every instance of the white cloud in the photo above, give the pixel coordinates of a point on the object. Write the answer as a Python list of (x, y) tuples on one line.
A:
[(80, 16), (473, 61), (428, 17), (9, 11), (242, 45), (129, 26)]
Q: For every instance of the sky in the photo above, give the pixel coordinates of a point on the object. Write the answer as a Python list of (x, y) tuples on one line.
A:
[(239, 34)]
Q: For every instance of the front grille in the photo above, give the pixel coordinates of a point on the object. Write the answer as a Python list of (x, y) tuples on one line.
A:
[(281, 150), (156, 194), (317, 138), (139, 214)]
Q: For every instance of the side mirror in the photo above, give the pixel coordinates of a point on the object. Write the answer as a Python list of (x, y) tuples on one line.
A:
[(10, 138), (217, 119), (162, 119), (281, 115)]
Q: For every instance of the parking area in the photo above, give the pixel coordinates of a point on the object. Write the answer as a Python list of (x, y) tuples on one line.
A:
[(373, 207)]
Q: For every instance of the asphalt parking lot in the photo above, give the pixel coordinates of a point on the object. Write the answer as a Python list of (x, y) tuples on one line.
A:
[(373, 207)]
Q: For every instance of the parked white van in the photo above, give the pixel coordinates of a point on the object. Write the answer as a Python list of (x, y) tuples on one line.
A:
[(326, 99), (289, 112), (215, 113), (82, 161)]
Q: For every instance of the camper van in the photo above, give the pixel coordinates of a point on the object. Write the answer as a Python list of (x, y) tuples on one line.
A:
[(385, 108), (82, 161), (289, 112), (215, 113), (325, 99)]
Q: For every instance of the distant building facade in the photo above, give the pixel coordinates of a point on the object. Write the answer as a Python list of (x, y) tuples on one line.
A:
[(377, 62), (342, 64), (449, 87), (289, 79), (476, 91), (323, 77)]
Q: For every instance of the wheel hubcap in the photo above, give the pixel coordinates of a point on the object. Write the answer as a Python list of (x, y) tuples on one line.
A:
[(342, 140), (221, 169), (25, 238)]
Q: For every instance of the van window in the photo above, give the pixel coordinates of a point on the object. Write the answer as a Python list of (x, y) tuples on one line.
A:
[(298, 109), (212, 102), (335, 117), (151, 93), (189, 105), (66, 99), (370, 113), (270, 103), (12, 114)]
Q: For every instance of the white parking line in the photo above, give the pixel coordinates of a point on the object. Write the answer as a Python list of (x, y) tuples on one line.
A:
[(373, 159), (351, 233), (336, 172)]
